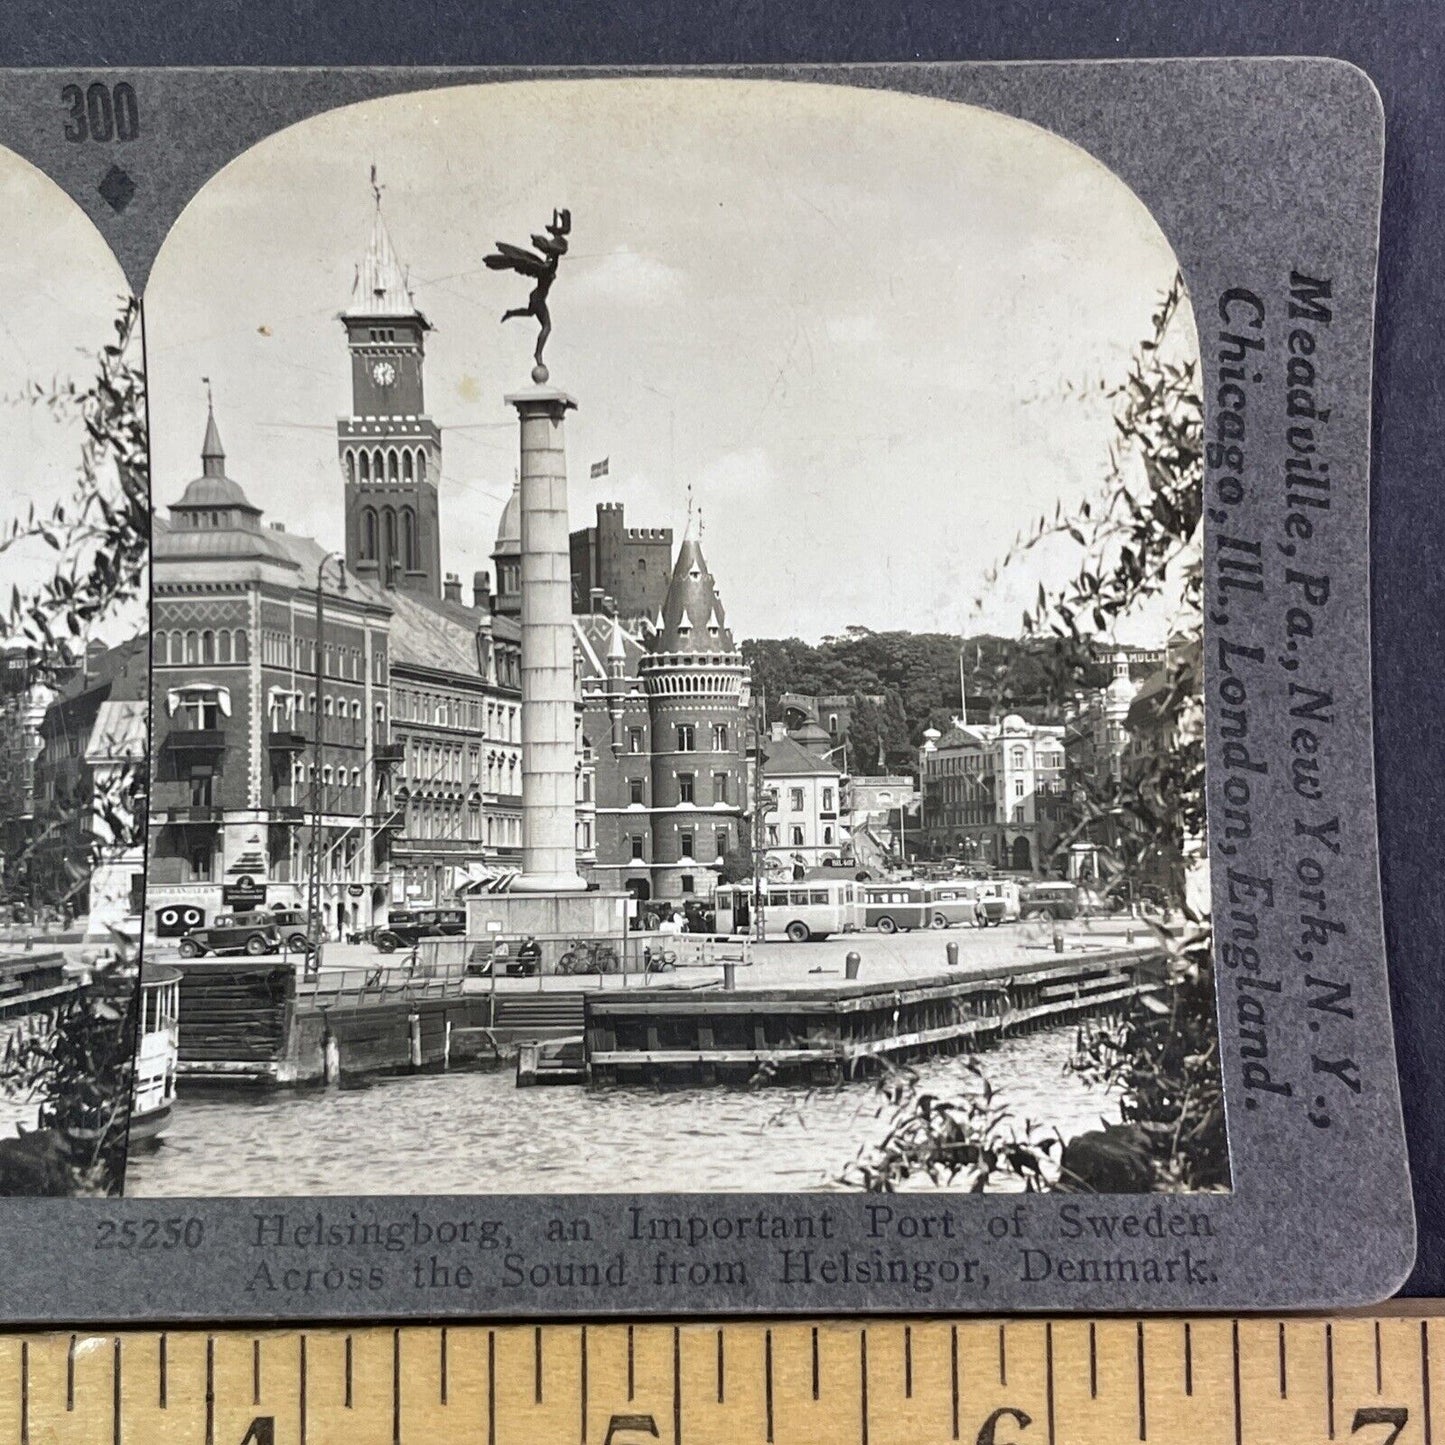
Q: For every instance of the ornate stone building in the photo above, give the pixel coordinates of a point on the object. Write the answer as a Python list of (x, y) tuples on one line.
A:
[(665, 715)]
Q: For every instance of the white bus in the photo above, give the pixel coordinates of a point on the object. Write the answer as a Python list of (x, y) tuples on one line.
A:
[(797, 911)]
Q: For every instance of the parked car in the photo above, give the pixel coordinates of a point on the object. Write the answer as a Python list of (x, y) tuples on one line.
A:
[(1054, 899), (298, 929), (253, 933), (406, 926)]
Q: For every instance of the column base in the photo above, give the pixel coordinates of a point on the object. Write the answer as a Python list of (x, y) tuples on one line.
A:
[(548, 883)]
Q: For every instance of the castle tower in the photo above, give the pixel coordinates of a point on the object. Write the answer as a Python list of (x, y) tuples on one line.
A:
[(389, 448), (694, 679)]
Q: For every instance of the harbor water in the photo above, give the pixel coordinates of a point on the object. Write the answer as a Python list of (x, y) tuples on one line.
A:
[(476, 1133)]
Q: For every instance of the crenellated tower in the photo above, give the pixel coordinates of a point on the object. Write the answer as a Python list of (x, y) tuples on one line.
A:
[(389, 448)]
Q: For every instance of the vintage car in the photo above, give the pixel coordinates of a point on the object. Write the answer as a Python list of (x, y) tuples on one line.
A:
[(298, 929), (253, 933), (406, 925)]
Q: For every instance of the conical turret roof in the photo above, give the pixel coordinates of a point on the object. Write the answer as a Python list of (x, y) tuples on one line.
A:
[(692, 618)]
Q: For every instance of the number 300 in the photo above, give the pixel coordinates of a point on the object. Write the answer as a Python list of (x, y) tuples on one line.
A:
[(101, 112)]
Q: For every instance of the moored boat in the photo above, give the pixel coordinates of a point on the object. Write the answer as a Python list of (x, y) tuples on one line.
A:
[(157, 1049)]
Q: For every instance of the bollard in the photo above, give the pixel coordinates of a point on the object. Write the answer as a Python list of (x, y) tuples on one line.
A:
[(952, 950), (414, 1028), (851, 965), (1058, 939), (331, 1058), (1128, 935), (730, 976), (447, 1046)]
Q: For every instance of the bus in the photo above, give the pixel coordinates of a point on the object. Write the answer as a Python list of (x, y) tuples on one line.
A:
[(799, 912), (1050, 899), (889, 907)]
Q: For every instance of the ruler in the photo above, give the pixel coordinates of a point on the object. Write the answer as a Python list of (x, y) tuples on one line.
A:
[(1365, 1379)]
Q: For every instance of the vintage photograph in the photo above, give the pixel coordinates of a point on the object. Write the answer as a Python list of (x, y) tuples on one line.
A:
[(74, 540), (674, 657)]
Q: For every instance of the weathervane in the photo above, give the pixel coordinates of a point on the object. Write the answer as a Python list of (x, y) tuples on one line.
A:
[(543, 270)]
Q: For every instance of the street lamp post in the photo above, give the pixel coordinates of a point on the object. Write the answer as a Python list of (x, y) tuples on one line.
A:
[(313, 893)]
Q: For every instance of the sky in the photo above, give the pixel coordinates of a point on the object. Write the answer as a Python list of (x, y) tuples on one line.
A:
[(63, 291), (854, 325)]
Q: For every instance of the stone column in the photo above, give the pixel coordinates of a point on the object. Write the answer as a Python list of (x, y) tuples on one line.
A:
[(549, 748)]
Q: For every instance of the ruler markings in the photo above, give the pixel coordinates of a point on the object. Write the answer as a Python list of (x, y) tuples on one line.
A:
[(115, 1392), (442, 1366), (1379, 1362), (537, 1366), (492, 1381), (395, 1388), (768, 1376), (582, 1379), (863, 1385), (676, 1386), (70, 1375), (210, 1390), (1283, 1367), (721, 1390), (953, 1371), (1049, 1377), (346, 1374), (815, 1360), (1002, 1358), (1139, 1374), (24, 1392), (907, 1362), (1093, 1363), (1425, 1377), (1330, 1380), (631, 1367), (1188, 1357), (303, 1375), (1238, 1410), (161, 1372), (256, 1370)]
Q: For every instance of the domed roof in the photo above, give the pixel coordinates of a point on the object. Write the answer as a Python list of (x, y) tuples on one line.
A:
[(1013, 723), (214, 491), (509, 529)]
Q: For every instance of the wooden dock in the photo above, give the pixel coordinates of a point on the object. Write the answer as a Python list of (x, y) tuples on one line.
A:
[(33, 982), (684, 1037), (253, 1021)]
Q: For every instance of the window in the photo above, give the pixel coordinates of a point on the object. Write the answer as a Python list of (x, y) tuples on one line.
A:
[(686, 737), (685, 790), (796, 834), (634, 740), (772, 835), (200, 861), (201, 789), (827, 800), (722, 841), (684, 841), (686, 883), (636, 842), (795, 800), (634, 790), (1018, 787), (719, 737), (1018, 757), (719, 787), (827, 837), (817, 897)]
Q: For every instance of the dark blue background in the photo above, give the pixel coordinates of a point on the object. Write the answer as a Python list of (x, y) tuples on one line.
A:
[(1398, 44)]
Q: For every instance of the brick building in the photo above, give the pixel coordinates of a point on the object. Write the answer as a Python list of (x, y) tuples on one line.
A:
[(621, 569)]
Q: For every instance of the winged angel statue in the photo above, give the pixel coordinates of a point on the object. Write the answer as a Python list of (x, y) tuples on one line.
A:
[(543, 271)]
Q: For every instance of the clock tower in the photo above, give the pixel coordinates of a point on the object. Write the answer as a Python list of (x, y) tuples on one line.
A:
[(389, 448)]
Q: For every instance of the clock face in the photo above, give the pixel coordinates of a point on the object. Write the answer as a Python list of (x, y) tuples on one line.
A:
[(383, 373)]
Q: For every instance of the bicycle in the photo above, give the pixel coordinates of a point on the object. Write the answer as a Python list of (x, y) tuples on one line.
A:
[(587, 956)]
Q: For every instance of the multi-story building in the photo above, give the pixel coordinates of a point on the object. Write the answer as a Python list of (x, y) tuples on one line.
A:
[(74, 735), (26, 691), (620, 569), (803, 823), (665, 718), (833, 712), (237, 777), (994, 793), (882, 819)]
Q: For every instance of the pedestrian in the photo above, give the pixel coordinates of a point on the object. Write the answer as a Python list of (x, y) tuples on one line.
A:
[(671, 924)]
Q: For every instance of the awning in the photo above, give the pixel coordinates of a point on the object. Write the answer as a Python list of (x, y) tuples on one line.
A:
[(198, 692)]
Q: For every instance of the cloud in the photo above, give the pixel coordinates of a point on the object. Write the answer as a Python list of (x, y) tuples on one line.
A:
[(625, 276)]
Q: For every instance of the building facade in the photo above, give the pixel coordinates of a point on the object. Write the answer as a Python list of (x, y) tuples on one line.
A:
[(237, 776), (995, 794), (802, 803), (665, 718)]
